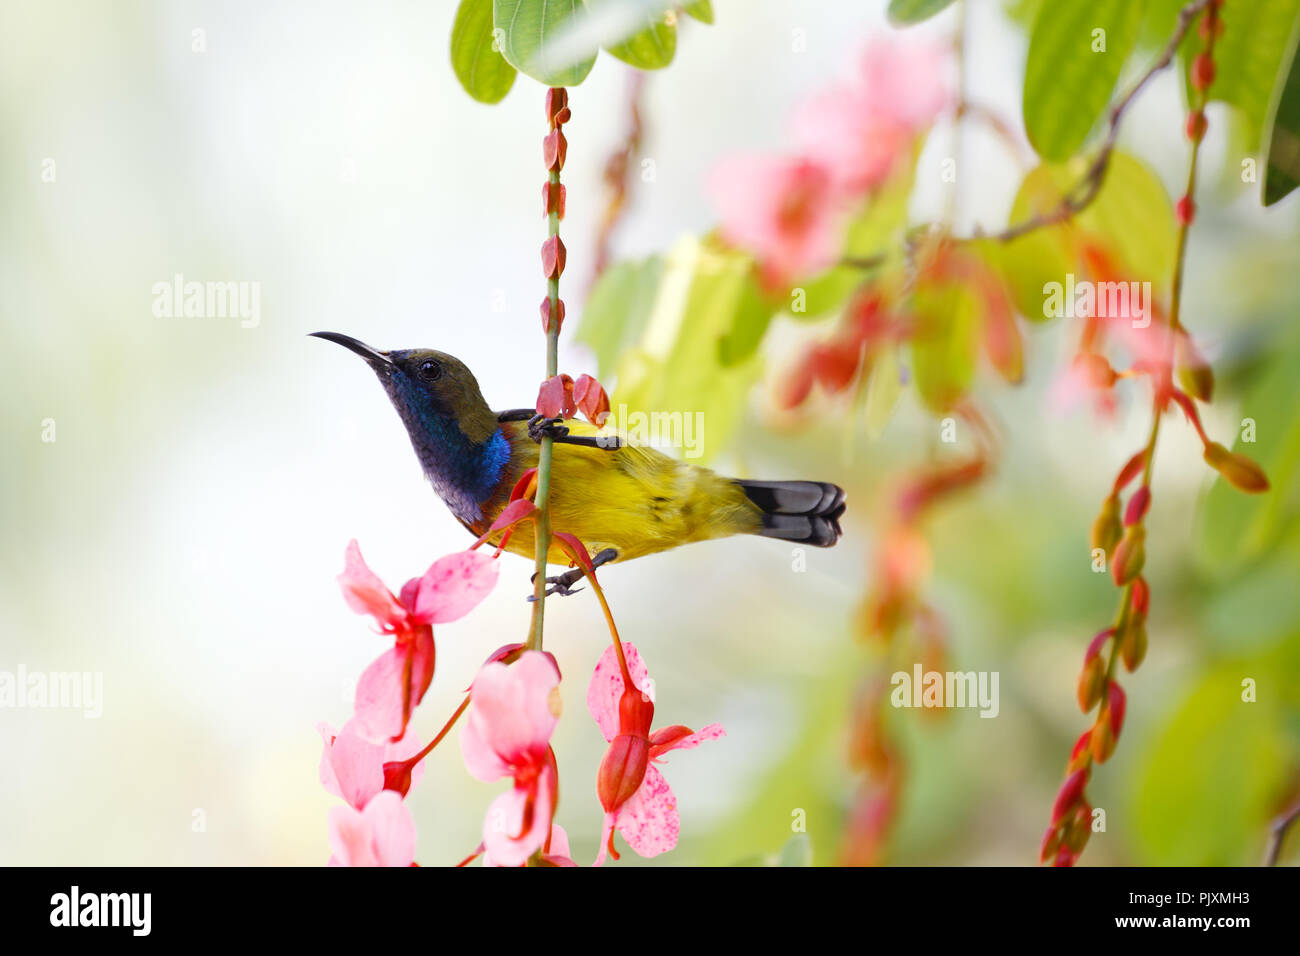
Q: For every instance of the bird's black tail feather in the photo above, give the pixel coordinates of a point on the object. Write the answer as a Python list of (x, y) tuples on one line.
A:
[(806, 512)]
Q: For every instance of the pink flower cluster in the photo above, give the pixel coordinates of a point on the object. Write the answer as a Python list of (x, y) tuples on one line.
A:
[(513, 707), (790, 210)]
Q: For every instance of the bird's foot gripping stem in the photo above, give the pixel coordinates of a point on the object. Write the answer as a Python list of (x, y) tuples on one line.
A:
[(540, 427), (562, 584)]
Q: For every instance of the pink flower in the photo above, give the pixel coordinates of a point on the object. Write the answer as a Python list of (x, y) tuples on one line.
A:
[(860, 128), (645, 813), (352, 767), (394, 684), (556, 854), (381, 834), (512, 713), (781, 209)]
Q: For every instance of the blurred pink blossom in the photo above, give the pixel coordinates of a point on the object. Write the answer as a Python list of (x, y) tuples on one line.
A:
[(381, 834), (789, 211), (395, 682), (512, 713), (648, 818)]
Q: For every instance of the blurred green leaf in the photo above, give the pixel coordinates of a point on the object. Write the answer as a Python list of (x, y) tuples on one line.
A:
[(751, 316), (479, 66), (651, 49), (903, 12), (1206, 788), (1068, 79), (701, 10), (527, 25), (1282, 173), (884, 386), (1236, 528), (1249, 59), (676, 367), (796, 852), (1131, 215), (944, 348), (618, 309)]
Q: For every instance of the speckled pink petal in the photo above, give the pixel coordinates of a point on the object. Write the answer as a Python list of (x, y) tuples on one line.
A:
[(606, 686), (689, 742), (453, 586), (503, 843), (513, 711), (383, 834), (364, 592), (648, 820)]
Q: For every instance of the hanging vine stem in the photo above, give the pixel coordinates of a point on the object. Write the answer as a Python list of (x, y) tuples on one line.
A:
[(554, 148)]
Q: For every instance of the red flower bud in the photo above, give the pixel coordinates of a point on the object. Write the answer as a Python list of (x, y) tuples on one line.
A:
[(1202, 71), (1130, 555), (1092, 678), (1132, 468), (1137, 506), (1141, 596), (554, 149), (1051, 840), (1133, 644), (555, 398), (557, 99), (623, 768), (1106, 529), (1196, 125), (1185, 211), (1069, 795), (590, 397), (553, 255), (1238, 470), (553, 196), (545, 309), (1110, 720)]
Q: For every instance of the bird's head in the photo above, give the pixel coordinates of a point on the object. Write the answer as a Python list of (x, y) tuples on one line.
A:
[(428, 388)]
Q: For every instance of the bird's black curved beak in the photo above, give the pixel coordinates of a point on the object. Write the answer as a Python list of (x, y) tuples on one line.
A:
[(376, 359)]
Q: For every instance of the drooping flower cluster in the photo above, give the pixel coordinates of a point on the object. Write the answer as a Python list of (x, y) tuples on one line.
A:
[(790, 210)]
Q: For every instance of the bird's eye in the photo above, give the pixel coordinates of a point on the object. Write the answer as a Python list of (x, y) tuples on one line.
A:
[(430, 371)]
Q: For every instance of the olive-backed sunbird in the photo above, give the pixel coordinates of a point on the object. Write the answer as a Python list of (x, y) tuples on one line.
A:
[(621, 500)]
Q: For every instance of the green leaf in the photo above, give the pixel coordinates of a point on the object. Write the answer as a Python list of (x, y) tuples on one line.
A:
[(883, 389), (676, 366), (617, 310), (1282, 172), (797, 851), (651, 49), (946, 342), (701, 10), (1206, 789), (1250, 59), (903, 12), (527, 25), (1131, 216), (480, 67), (1072, 69), (752, 315)]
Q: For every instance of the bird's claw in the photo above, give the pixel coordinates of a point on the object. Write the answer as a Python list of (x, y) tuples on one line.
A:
[(561, 584), (540, 427)]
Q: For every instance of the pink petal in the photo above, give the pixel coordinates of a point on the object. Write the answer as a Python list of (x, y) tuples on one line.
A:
[(503, 843), (648, 820), (606, 686), (711, 732), (350, 766), (559, 842), (453, 586), (512, 713), (364, 592), (383, 834), (380, 690)]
